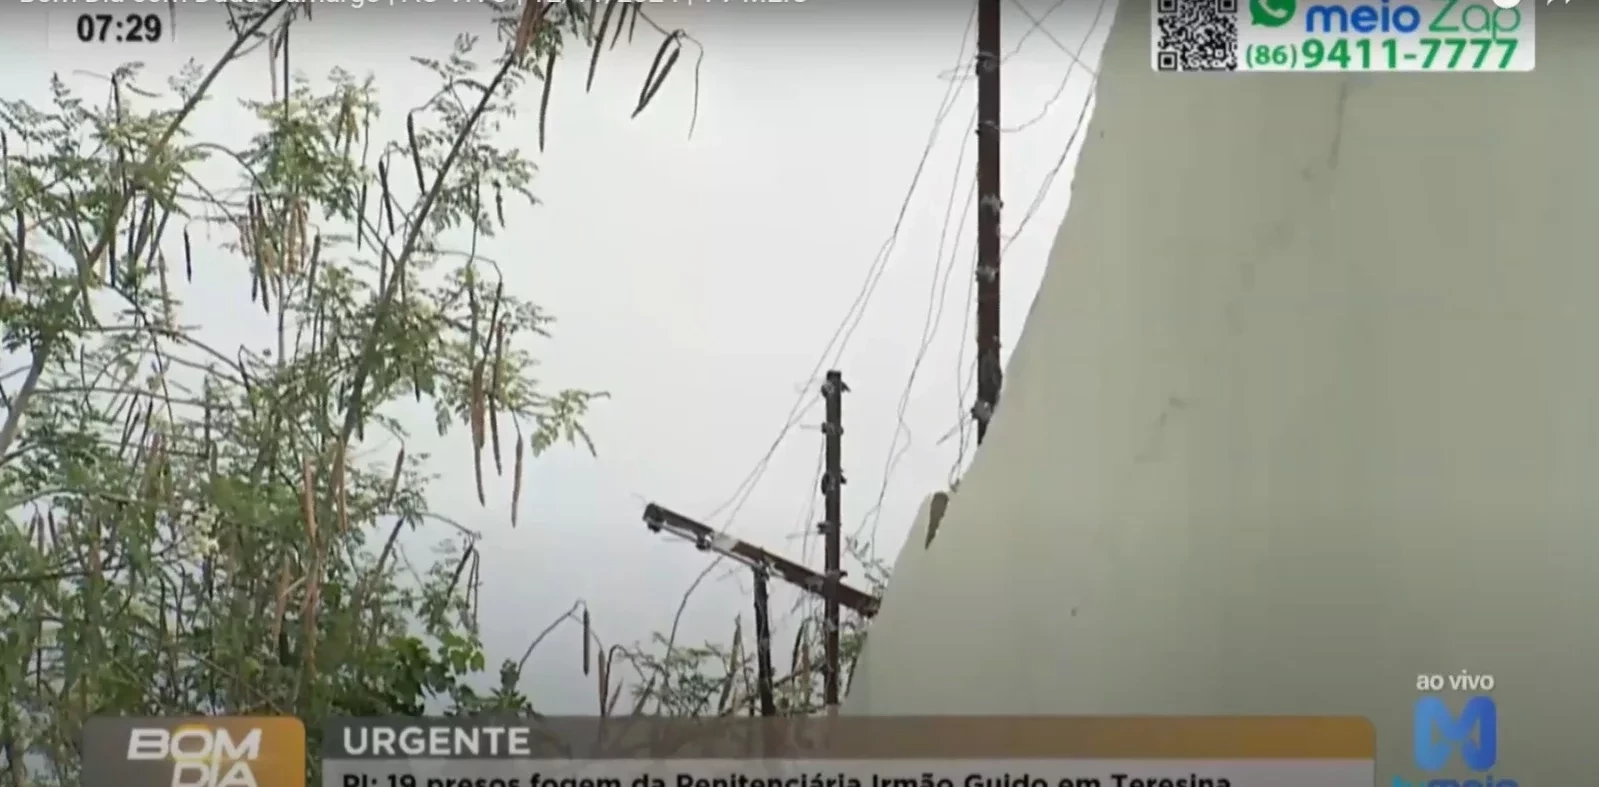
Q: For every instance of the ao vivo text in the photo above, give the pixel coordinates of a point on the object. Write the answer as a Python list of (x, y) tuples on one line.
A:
[(1464, 681)]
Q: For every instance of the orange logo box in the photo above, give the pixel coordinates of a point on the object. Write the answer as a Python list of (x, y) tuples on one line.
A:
[(217, 751)]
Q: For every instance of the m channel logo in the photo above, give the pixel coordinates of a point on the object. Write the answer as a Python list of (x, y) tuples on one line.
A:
[(1438, 733), (1456, 17)]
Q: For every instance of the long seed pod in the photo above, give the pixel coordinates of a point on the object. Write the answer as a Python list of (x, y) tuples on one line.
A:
[(494, 438), (311, 271), (544, 99), (499, 204), (616, 692), (494, 395), (341, 491), (498, 373), (516, 481), (527, 29), (416, 152), (383, 192), (111, 259), (210, 447), (474, 586), (283, 46), (475, 416), (150, 238), (588, 631), (263, 285), (116, 108), (394, 479), (602, 682), (494, 317), (460, 568), (633, 23), (660, 80), (360, 214), (294, 242), (655, 68), (308, 499), (133, 235), (388, 546), (617, 36), (607, 669), (188, 257), (599, 43)]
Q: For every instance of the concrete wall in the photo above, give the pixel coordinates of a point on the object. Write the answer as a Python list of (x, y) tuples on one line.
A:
[(906, 576), (1308, 405)]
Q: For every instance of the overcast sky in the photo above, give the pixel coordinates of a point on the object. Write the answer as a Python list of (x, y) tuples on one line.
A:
[(699, 279)]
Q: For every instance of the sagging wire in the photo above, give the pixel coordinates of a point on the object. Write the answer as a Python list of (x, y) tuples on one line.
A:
[(963, 422)]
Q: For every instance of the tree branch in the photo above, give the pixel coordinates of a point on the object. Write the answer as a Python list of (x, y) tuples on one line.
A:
[(368, 356), (42, 352), (19, 403)]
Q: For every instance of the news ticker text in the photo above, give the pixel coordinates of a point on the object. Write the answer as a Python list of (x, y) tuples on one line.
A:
[(1139, 751)]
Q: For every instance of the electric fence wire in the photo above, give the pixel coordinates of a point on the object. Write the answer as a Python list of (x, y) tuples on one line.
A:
[(933, 316), (963, 423), (846, 327), (839, 340), (931, 321)]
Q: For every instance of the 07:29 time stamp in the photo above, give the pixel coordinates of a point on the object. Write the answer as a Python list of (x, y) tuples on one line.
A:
[(118, 28)]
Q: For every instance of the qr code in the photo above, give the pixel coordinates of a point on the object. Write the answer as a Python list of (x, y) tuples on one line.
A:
[(1196, 35)]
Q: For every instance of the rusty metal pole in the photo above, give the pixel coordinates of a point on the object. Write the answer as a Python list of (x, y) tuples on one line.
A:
[(763, 645), (660, 519), (833, 573), (989, 374)]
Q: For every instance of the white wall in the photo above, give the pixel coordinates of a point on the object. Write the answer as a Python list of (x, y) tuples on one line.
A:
[(1308, 404)]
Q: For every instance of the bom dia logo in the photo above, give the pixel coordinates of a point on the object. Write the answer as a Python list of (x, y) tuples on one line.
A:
[(215, 751), (1439, 733)]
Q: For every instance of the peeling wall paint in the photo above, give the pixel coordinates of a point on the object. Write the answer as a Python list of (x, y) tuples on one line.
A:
[(1307, 406)]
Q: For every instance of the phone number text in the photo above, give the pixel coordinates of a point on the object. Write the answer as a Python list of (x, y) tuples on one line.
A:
[(1384, 54)]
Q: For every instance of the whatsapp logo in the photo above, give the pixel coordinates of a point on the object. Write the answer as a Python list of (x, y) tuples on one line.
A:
[(1271, 13)]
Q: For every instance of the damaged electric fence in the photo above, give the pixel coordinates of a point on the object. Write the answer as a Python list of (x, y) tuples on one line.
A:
[(828, 585), (660, 519)]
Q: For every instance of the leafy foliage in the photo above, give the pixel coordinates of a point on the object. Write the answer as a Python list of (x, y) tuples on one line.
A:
[(189, 528), (192, 529)]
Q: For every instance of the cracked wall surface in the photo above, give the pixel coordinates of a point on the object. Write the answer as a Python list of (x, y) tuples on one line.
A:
[(1307, 405)]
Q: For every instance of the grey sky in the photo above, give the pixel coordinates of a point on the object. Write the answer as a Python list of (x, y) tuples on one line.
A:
[(698, 279)]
